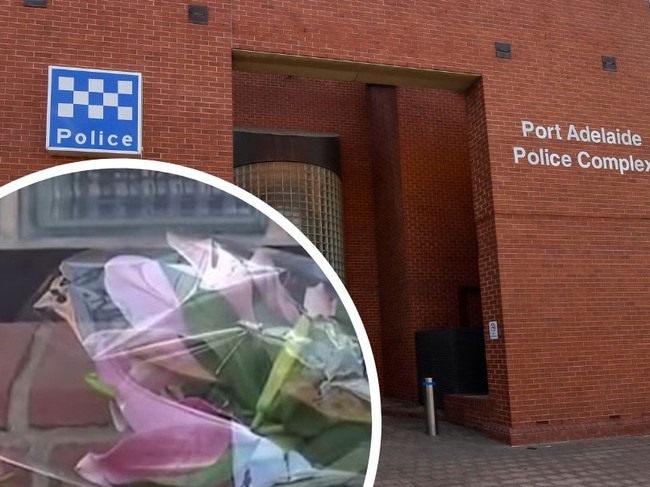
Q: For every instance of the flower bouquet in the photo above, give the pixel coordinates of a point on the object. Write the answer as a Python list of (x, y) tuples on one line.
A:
[(222, 366)]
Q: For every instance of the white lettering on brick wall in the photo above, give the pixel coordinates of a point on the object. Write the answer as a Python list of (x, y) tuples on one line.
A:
[(615, 159)]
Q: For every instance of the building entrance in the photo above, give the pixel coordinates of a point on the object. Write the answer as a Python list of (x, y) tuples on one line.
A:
[(409, 231)]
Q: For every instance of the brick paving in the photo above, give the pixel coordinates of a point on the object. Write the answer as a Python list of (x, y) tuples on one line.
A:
[(461, 457)]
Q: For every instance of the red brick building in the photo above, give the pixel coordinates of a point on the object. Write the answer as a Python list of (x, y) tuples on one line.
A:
[(464, 165)]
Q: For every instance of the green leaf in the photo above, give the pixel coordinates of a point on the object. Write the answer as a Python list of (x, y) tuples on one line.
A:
[(343, 318), (240, 358), (143, 484), (95, 383), (284, 368), (207, 312), (330, 426), (278, 435), (243, 371), (233, 355), (338, 445), (327, 478), (184, 283), (354, 461), (218, 474)]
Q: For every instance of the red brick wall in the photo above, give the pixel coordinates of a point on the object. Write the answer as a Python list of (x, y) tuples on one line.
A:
[(440, 233), (46, 408), (424, 227), (489, 264), (454, 35), (185, 67), (571, 243), (473, 412), (562, 256)]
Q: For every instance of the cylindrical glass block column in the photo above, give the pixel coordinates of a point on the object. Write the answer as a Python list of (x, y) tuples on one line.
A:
[(298, 175)]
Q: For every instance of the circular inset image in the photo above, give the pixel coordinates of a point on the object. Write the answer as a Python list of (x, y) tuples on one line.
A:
[(165, 328)]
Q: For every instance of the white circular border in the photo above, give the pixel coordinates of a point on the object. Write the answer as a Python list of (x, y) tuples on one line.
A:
[(277, 217)]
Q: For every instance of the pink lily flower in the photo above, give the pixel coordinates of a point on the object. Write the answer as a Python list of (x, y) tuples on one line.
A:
[(168, 439), (236, 278), (319, 302), (144, 295), (267, 280), (171, 441), (140, 289)]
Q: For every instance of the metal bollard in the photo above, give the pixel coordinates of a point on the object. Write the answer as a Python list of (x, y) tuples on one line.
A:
[(430, 405)]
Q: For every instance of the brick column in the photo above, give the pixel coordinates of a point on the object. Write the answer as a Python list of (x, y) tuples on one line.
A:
[(496, 418), (391, 246)]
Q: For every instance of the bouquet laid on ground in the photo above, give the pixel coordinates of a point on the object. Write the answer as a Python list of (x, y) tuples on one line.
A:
[(222, 365)]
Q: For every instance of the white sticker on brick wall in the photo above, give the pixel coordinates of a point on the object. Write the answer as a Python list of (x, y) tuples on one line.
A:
[(494, 330)]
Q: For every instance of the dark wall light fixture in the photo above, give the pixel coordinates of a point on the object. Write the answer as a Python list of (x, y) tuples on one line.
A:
[(609, 63), (35, 3), (504, 50), (197, 14)]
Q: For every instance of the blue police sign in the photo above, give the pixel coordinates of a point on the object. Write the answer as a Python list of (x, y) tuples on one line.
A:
[(94, 111)]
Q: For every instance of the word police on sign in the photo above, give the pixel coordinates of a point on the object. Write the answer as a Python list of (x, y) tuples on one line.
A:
[(93, 111)]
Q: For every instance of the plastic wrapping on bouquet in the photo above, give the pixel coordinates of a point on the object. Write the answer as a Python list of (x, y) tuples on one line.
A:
[(205, 361)]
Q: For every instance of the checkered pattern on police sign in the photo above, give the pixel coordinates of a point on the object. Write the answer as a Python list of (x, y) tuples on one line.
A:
[(82, 98)]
